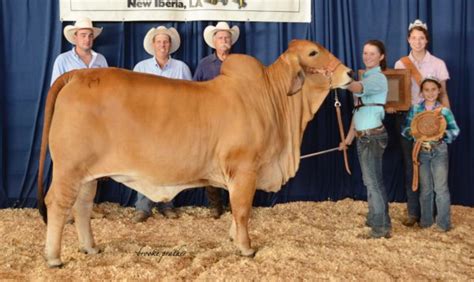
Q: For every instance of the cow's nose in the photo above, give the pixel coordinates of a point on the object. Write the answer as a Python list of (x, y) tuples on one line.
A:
[(350, 73)]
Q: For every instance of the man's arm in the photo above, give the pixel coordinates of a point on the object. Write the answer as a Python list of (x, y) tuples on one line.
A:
[(105, 63), (56, 71), (198, 73), (187, 73)]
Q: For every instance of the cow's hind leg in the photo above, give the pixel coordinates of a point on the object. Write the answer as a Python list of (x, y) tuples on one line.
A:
[(233, 230), (59, 200), (82, 211), (241, 193)]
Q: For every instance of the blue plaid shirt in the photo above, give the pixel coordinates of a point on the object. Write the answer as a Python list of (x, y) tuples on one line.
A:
[(452, 129)]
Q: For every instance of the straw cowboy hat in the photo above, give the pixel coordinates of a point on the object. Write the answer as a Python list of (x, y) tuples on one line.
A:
[(210, 30), (82, 23), (171, 32)]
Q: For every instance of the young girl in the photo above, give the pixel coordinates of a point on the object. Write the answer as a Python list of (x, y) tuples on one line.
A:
[(371, 95), (433, 159)]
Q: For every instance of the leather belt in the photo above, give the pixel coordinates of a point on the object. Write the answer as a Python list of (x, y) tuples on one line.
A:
[(428, 146), (372, 131), (358, 106)]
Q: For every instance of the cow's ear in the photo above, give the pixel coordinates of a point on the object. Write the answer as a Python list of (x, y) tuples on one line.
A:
[(294, 63), (297, 83)]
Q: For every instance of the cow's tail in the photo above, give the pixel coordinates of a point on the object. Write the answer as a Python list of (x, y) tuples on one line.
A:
[(48, 116)]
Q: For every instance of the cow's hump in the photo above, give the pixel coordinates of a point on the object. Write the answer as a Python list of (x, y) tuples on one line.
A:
[(238, 65)]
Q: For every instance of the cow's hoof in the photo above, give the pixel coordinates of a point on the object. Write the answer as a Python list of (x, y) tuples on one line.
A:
[(232, 236), (232, 232), (248, 253), (89, 251), (55, 263)]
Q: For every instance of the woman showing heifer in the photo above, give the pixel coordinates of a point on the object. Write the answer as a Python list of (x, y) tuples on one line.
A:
[(370, 96)]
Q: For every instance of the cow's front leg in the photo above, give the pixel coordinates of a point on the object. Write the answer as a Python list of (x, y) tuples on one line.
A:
[(82, 213), (241, 193), (59, 201)]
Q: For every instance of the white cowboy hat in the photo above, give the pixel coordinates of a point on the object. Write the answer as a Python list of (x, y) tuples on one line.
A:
[(82, 23), (210, 30), (171, 32)]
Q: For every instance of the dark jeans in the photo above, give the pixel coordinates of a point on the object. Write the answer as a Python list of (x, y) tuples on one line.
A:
[(434, 169), (413, 198), (370, 150), (144, 204), (214, 197)]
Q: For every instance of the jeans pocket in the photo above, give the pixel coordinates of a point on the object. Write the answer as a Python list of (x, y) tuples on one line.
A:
[(364, 139), (383, 142), (443, 148)]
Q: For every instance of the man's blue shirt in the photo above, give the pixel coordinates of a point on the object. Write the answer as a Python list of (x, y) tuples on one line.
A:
[(208, 68), (173, 68), (70, 60)]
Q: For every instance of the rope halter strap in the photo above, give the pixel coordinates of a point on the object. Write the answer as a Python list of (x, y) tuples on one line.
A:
[(327, 71)]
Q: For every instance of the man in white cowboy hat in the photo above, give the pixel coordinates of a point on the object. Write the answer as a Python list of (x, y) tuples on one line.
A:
[(81, 35), (160, 42), (221, 38)]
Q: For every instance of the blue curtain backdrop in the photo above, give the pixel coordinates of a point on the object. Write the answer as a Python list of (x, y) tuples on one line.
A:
[(31, 38)]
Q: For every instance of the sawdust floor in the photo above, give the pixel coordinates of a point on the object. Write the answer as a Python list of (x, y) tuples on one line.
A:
[(301, 240)]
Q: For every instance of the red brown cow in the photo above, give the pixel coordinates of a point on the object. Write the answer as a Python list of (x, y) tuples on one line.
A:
[(160, 136)]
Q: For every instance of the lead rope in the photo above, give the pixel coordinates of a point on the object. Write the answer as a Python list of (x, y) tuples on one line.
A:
[(416, 164), (337, 105)]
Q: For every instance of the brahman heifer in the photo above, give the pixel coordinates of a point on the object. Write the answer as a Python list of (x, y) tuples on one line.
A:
[(159, 136)]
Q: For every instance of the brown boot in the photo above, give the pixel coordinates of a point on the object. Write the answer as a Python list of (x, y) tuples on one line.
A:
[(370, 235), (215, 201), (169, 213), (410, 221), (140, 216), (216, 212)]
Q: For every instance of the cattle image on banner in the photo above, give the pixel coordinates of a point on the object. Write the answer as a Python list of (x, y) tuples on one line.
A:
[(241, 3), (111, 123)]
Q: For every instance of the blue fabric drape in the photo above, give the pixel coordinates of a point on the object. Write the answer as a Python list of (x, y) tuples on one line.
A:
[(3, 188), (31, 38)]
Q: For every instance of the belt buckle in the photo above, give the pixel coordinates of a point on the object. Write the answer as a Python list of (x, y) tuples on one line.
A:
[(360, 133), (427, 146)]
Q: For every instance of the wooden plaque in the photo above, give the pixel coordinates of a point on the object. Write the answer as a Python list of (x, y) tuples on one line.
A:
[(399, 88)]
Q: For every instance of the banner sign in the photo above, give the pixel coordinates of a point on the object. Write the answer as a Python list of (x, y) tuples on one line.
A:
[(187, 10)]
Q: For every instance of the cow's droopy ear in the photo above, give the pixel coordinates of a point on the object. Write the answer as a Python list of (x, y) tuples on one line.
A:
[(297, 72), (297, 83)]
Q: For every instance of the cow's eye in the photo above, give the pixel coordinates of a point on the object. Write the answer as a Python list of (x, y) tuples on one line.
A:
[(313, 53)]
